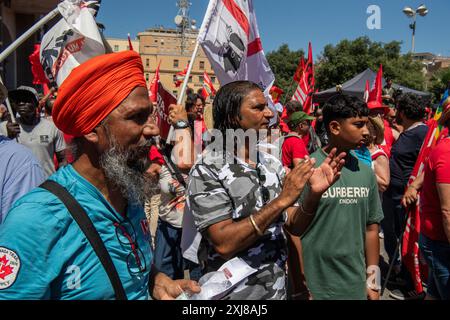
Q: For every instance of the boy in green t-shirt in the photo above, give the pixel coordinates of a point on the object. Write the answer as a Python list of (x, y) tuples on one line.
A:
[(341, 246)]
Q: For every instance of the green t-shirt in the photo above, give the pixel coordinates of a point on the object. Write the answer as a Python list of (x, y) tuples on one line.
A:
[(334, 243)]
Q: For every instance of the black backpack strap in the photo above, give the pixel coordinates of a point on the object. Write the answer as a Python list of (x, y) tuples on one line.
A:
[(84, 222)]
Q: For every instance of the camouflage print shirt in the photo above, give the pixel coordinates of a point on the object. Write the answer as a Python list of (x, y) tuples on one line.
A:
[(220, 190)]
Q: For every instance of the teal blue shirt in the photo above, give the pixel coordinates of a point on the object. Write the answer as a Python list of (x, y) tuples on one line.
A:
[(45, 255)]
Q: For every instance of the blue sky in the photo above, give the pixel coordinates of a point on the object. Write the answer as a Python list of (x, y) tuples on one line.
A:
[(296, 22)]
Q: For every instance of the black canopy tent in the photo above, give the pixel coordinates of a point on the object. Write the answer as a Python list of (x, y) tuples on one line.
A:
[(357, 85)]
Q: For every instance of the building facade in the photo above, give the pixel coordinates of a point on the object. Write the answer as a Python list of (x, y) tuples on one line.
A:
[(173, 50), (17, 16), (432, 63), (117, 44)]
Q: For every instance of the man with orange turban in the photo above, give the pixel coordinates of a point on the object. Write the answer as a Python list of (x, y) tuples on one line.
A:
[(83, 234)]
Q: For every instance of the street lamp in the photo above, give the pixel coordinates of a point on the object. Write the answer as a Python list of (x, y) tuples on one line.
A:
[(411, 13)]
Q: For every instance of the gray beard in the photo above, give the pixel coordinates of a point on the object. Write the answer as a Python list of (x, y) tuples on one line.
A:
[(132, 184)]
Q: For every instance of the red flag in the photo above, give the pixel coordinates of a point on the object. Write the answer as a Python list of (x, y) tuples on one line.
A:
[(375, 95), (153, 88), (305, 88), (180, 77), (410, 248), (367, 91), (164, 100), (276, 93), (36, 68), (208, 87), (129, 43), (299, 72)]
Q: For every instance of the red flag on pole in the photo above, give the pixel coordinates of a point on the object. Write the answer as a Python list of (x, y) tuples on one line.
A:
[(208, 87), (367, 91), (305, 88), (299, 72), (37, 70), (375, 95), (179, 78), (153, 88), (164, 100), (129, 43), (276, 93), (410, 248)]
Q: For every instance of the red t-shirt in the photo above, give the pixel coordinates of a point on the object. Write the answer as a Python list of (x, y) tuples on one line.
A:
[(437, 170), (155, 156), (293, 148)]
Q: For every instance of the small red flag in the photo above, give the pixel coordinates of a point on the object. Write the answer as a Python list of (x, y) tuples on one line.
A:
[(153, 88), (129, 43)]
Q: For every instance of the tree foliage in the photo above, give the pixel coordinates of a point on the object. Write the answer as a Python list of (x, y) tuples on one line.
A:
[(438, 83), (284, 62), (340, 63)]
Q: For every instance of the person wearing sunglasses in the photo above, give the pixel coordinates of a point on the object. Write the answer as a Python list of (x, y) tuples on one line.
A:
[(241, 199)]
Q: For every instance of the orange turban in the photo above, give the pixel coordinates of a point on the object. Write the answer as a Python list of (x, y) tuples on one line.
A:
[(94, 89)]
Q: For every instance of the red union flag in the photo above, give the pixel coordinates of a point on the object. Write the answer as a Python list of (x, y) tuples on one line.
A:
[(153, 88), (72, 41), (179, 77), (305, 88), (367, 91), (300, 69), (208, 87), (410, 247), (230, 38), (375, 95), (164, 100)]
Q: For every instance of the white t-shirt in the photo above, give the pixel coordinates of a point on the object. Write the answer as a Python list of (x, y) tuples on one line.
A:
[(44, 139)]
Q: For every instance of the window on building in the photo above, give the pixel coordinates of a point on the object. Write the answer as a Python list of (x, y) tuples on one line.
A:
[(202, 65), (174, 78), (201, 79), (176, 63), (147, 62), (213, 79), (175, 93), (116, 47), (146, 76), (190, 79)]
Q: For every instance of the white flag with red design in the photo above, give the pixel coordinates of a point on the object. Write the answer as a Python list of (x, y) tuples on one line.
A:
[(305, 88), (230, 38), (72, 41)]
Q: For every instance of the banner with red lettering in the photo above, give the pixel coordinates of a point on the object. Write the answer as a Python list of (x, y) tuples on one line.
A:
[(71, 41), (164, 100)]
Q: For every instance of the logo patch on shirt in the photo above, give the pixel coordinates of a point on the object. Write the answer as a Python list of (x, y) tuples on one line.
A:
[(9, 267), (44, 139)]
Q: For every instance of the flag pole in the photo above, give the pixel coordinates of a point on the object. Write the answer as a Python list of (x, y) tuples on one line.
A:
[(24, 37), (8, 105), (188, 73), (185, 83)]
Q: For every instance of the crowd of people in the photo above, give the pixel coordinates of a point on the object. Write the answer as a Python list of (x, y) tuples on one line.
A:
[(304, 200)]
